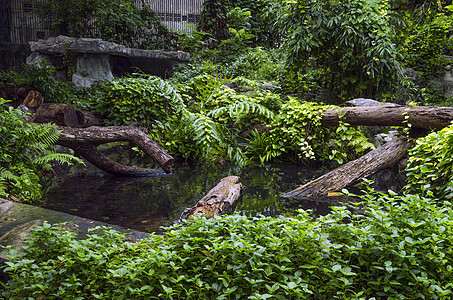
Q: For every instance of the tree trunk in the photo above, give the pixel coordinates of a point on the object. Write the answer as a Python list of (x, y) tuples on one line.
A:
[(219, 200), (85, 140), (347, 174), (427, 117)]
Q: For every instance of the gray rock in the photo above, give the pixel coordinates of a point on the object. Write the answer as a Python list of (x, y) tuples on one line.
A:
[(17, 221), (382, 138), (447, 81), (92, 68), (362, 102), (269, 87), (64, 44), (412, 75)]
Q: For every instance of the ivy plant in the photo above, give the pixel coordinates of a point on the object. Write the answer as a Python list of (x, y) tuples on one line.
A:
[(430, 165)]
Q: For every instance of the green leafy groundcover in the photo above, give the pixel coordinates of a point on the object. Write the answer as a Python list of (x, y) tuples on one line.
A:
[(392, 247)]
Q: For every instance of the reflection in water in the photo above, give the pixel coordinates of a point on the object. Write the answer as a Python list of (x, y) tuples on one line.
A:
[(147, 203)]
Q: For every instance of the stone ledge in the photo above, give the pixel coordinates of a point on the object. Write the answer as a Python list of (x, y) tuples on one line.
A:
[(17, 221), (64, 44)]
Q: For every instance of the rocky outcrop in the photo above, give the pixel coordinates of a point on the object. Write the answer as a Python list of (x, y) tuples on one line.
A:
[(447, 79), (17, 222), (98, 60)]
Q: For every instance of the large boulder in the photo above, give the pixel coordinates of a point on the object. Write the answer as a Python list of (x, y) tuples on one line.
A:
[(98, 60)]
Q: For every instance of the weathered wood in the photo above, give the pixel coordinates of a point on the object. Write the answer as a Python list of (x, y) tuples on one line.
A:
[(64, 115), (85, 140), (219, 200), (427, 117), (347, 174), (33, 99)]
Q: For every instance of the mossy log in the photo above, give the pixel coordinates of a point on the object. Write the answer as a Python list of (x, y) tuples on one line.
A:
[(84, 142), (351, 172), (221, 199), (427, 117)]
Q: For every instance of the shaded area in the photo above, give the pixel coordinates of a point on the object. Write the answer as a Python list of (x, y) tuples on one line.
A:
[(145, 204)]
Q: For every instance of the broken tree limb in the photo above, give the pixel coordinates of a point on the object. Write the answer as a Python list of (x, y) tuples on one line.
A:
[(347, 174), (219, 200), (85, 140), (428, 117)]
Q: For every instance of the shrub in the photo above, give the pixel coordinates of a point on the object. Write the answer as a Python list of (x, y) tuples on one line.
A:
[(430, 165), (398, 248), (40, 77), (25, 154)]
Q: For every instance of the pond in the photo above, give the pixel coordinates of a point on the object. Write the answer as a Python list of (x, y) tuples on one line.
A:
[(145, 204)]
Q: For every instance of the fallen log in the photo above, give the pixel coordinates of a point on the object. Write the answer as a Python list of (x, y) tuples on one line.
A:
[(428, 117), (85, 140), (64, 115), (221, 199), (353, 171)]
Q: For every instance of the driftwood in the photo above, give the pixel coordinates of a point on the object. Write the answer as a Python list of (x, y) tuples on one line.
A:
[(219, 200), (427, 117), (419, 117), (347, 174), (85, 140)]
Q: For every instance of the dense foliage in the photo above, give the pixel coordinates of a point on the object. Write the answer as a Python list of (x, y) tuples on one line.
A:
[(397, 248), (26, 154), (430, 165), (352, 41), (119, 21), (243, 99), (40, 77)]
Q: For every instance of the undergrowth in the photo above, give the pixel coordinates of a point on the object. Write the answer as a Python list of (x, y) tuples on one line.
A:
[(388, 247)]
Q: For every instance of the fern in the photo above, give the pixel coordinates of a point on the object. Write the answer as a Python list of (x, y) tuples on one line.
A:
[(25, 150), (44, 134), (61, 158), (7, 175), (240, 110)]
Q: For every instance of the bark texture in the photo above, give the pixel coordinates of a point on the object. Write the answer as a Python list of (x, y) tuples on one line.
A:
[(349, 173), (85, 140), (427, 117), (219, 200)]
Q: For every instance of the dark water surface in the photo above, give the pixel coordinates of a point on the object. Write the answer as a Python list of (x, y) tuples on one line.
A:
[(145, 204)]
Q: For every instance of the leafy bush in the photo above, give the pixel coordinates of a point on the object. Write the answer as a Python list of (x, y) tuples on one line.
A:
[(430, 165), (426, 44), (351, 41), (40, 77), (119, 21), (142, 101), (397, 248), (297, 132), (25, 154)]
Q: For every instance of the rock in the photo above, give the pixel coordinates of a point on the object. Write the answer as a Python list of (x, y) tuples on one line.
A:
[(412, 75), (97, 58), (92, 68), (382, 138), (268, 87), (361, 102), (447, 81), (17, 221)]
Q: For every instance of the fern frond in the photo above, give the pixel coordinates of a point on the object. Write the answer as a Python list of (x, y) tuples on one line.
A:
[(6, 174), (62, 158), (43, 134), (241, 109), (236, 155)]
